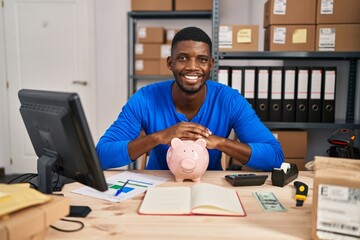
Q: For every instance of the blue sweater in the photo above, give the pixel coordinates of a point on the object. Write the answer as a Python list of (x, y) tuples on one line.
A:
[(151, 108)]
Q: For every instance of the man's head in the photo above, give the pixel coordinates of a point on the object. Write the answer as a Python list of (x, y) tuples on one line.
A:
[(191, 61), (191, 34)]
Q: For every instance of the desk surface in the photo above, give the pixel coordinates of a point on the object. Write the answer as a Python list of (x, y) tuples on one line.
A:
[(121, 221)]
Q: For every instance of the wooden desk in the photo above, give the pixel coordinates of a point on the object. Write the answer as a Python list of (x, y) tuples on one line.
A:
[(121, 220)]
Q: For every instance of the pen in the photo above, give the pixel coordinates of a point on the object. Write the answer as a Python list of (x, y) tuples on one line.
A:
[(120, 189)]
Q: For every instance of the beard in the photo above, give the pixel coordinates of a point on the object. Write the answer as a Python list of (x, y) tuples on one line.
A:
[(189, 91)]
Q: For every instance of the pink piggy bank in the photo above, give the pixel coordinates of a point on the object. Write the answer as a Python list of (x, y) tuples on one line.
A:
[(187, 159)]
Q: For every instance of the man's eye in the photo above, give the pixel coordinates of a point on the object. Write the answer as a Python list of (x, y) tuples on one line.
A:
[(182, 58), (203, 60)]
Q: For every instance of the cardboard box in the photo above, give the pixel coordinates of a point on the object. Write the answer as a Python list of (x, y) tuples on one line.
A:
[(151, 5), (146, 67), (193, 5), (289, 12), (164, 70), (238, 38), (170, 33), (290, 38), (300, 163), (293, 143), (150, 35), (336, 194), (340, 11), (338, 37), (33, 222), (147, 51)]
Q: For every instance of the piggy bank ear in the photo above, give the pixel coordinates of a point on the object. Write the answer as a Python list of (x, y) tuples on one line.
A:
[(201, 142), (175, 142)]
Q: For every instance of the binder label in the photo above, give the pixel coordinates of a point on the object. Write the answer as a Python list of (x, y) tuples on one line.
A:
[(249, 84), (237, 80), (223, 76), (315, 84), (302, 84), (329, 93), (263, 84), (276, 85), (289, 84)]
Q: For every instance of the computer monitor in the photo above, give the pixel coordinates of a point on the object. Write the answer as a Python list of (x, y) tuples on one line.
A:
[(58, 130)]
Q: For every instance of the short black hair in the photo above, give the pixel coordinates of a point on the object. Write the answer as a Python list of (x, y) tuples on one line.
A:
[(191, 34)]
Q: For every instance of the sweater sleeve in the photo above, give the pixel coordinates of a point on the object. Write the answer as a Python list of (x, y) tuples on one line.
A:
[(266, 151), (112, 147)]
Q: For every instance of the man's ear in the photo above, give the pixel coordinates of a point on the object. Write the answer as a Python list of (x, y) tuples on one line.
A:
[(169, 63)]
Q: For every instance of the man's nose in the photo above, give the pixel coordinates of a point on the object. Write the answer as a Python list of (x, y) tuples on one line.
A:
[(192, 64)]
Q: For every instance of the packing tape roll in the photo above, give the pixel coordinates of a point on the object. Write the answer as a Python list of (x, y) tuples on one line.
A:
[(285, 167)]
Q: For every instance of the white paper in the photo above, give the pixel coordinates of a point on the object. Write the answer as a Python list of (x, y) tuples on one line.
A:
[(138, 183)]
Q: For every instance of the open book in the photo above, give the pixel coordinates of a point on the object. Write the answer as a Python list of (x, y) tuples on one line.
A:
[(200, 199)]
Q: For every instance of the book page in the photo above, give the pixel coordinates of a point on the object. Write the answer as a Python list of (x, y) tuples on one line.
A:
[(166, 200), (212, 199)]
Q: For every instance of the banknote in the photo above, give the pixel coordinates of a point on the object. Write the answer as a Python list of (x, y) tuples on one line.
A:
[(269, 202)]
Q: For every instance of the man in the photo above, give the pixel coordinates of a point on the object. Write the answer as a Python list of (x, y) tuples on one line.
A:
[(189, 107)]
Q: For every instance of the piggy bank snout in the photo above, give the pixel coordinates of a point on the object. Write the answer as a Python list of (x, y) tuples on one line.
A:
[(188, 164)]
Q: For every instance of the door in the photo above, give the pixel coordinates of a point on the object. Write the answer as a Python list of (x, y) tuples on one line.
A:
[(49, 46)]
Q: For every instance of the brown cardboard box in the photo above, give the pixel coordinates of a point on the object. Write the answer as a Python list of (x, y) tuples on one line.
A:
[(146, 67), (300, 162), (164, 70), (290, 38), (193, 5), (341, 11), (147, 50), (170, 33), (293, 143), (293, 12), (33, 222), (151, 5), (234, 38), (150, 35), (336, 194), (338, 37)]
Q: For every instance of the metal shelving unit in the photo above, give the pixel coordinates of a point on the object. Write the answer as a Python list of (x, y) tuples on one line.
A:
[(134, 17), (352, 57)]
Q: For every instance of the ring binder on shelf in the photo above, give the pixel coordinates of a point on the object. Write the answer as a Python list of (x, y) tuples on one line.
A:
[(275, 105), (314, 107), (328, 95), (289, 94), (301, 96), (262, 93)]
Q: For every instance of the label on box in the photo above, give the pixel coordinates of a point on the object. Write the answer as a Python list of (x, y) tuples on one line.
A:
[(225, 37), (165, 51), (139, 49), (327, 7), (338, 212), (139, 65), (279, 35), (327, 39), (142, 32), (279, 7), (244, 36)]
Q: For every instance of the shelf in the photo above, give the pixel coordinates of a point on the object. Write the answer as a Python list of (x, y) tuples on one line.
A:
[(309, 125), (290, 55), (170, 14)]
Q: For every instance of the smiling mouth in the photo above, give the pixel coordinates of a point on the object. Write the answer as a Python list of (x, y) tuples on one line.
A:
[(191, 77)]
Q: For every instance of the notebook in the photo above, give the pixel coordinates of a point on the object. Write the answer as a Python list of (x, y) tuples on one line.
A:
[(199, 199)]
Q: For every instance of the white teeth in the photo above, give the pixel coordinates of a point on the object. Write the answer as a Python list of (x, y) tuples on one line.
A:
[(191, 77)]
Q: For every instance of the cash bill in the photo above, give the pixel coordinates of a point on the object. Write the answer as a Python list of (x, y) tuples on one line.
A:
[(269, 202)]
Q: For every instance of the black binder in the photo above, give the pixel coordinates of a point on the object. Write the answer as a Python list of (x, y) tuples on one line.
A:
[(249, 81), (288, 104), (236, 79), (315, 83), (262, 93), (224, 75), (328, 96), (275, 103), (301, 95)]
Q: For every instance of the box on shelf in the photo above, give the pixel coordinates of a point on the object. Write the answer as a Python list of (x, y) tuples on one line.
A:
[(337, 11), (147, 51), (289, 12), (150, 35), (336, 194), (33, 222), (236, 38), (151, 5), (338, 37), (170, 33), (293, 143), (290, 38), (165, 53), (193, 5), (146, 67)]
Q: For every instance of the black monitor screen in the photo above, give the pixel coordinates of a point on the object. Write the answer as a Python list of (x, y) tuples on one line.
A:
[(57, 126)]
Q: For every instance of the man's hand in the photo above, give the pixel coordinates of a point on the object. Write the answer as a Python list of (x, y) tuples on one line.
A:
[(184, 130)]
